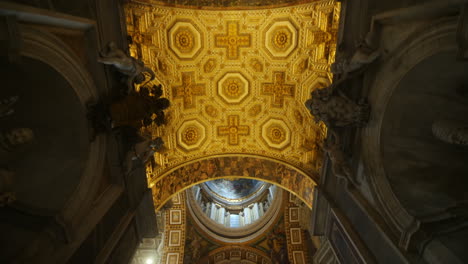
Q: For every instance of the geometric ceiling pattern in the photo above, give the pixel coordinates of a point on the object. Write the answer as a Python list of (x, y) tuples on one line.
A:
[(233, 4), (237, 80)]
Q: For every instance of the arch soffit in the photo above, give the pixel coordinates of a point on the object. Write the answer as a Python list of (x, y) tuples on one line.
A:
[(259, 168), (418, 46)]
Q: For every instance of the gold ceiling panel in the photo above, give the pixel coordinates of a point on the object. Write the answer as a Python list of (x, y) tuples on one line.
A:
[(237, 79)]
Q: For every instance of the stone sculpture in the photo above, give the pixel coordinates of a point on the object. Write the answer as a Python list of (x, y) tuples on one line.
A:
[(340, 165), (10, 141), (141, 152), (133, 68), (452, 132), (138, 107), (7, 196), (6, 106), (363, 56), (135, 110), (331, 106)]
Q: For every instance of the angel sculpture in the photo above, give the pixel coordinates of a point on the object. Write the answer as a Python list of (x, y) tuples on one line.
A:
[(141, 152), (340, 165), (133, 68)]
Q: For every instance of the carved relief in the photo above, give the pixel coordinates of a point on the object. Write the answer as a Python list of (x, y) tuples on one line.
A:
[(232, 40), (256, 64), (233, 130), (281, 39), (188, 90), (255, 110), (278, 89), (276, 133), (211, 111), (185, 40), (233, 88), (209, 65), (191, 135)]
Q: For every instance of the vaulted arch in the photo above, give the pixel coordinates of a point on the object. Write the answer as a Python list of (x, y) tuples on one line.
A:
[(253, 167)]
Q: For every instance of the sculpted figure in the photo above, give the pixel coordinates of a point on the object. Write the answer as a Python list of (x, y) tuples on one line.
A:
[(452, 132), (340, 165), (137, 107), (134, 110), (126, 64), (6, 106), (142, 152), (7, 196), (12, 139), (364, 55), (334, 108)]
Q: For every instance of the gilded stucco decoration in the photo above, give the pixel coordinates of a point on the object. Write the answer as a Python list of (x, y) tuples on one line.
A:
[(232, 40), (234, 4), (280, 39), (233, 87), (191, 135), (174, 231), (237, 80), (276, 133), (185, 40)]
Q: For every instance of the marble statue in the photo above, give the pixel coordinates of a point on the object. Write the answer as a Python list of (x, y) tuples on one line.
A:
[(452, 132), (133, 68), (6, 106), (7, 196), (331, 106), (142, 152), (340, 165), (363, 56)]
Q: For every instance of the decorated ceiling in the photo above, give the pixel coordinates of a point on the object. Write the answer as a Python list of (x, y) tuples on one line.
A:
[(237, 81), (212, 4)]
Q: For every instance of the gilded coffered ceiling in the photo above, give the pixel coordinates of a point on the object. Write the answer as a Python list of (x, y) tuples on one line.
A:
[(237, 80), (217, 4)]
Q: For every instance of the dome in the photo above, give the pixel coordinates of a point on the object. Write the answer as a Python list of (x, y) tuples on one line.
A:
[(234, 191), (234, 210)]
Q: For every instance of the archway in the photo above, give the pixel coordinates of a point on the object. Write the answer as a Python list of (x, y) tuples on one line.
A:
[(259, 168), (77, 166), (401, 154)]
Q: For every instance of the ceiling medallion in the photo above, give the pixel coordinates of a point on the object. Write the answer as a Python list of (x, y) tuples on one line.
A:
[(185, 40), (276, 134), (233, 88), (191, 135), (280, 39)]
